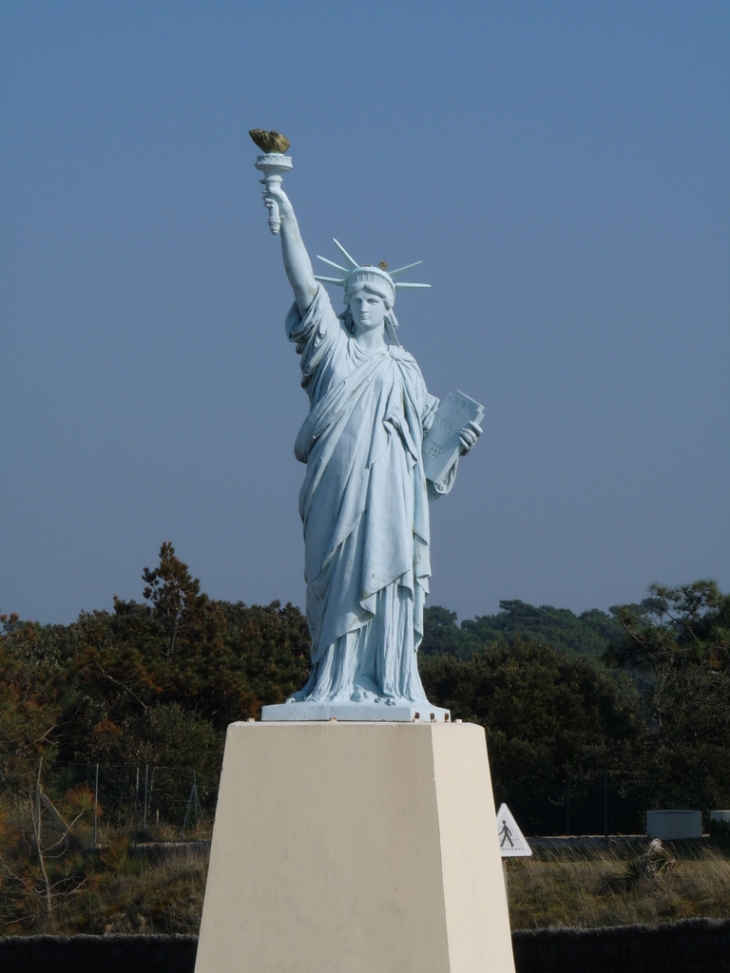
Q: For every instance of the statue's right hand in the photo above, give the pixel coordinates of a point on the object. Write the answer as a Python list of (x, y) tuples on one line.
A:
[(275, 196)]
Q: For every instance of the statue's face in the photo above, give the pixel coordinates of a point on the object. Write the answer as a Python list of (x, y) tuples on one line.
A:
[(367, 308)]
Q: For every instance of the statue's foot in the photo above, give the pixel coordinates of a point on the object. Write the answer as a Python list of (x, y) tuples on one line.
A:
[(360, 695)]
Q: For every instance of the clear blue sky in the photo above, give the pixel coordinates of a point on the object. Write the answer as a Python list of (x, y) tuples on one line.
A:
[(560, 167)]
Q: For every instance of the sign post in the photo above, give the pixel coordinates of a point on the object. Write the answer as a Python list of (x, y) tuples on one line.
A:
[(512, 843)]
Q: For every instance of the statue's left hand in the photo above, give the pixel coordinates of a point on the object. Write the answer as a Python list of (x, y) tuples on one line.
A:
[(467, 437)]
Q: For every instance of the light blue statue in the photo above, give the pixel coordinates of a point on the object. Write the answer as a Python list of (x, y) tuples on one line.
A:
[(364, 500)]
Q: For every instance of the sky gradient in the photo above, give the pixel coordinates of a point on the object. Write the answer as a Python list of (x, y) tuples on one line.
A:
[(560, 168)]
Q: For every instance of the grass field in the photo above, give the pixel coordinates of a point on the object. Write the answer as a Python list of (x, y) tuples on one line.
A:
[(612, 886), (569, 887)]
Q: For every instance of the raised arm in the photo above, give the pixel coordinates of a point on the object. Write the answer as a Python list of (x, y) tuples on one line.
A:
[(297, 264)]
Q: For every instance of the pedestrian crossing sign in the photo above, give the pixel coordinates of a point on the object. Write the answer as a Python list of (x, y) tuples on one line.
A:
[(512, 843)]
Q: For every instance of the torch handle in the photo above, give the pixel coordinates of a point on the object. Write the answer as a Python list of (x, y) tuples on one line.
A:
[(274, 215)]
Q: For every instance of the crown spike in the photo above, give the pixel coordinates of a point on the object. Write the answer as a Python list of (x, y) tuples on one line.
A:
[(398, 285), (401, 269), (332, 264), (345, 254), (330, 280)]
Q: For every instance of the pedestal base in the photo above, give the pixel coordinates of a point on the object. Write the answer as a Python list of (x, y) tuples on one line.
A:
[(355, 848), (358, 712)]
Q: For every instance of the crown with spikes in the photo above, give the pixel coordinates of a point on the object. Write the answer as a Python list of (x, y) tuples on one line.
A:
[(377, 277), (364, 273)]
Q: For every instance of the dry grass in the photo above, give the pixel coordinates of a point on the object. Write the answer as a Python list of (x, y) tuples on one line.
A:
[(75, 886), (133, 896), (607, 887), (565, 887), (166, 897), (117, 891)]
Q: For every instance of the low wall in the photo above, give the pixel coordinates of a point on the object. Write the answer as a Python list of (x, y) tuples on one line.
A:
[(98, 954), (689, 946), (701, 945)]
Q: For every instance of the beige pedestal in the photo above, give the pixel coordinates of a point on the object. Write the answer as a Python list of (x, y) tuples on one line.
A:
[(355, 848)]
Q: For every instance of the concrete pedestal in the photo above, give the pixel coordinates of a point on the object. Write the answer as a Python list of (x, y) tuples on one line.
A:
[(355, 848)]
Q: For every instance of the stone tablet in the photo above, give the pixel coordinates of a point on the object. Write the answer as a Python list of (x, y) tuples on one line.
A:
[(441, 442)]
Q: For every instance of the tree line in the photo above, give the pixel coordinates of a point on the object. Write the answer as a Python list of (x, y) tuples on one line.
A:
[(633, 704)]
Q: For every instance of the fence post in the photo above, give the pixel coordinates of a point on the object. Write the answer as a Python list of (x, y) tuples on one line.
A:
[(187, 809), (193, 801), (144, 812), (96, 805), (567, 807), (38, 810), (136, 805)]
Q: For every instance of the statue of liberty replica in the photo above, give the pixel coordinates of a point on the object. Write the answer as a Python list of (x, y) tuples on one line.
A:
[(364, 500), (355, 826)]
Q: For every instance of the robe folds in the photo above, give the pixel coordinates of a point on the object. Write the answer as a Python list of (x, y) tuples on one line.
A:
[(364, 509)]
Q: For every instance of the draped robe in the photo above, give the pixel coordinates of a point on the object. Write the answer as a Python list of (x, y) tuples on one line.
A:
[(364, 509)]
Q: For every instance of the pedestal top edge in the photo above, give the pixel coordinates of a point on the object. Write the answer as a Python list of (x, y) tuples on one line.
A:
[(335, 722)]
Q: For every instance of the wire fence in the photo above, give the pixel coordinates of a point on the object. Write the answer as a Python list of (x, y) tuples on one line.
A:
[(599, 802), (149, 800), (598, 806)]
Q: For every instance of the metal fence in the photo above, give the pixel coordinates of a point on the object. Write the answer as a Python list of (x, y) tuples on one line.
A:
[(145, 798), (150, 800), (597, 802)]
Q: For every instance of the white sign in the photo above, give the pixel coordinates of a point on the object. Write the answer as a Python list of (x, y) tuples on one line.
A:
[(512, 843)]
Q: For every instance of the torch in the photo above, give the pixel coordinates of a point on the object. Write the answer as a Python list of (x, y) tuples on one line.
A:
[(273, 164)]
